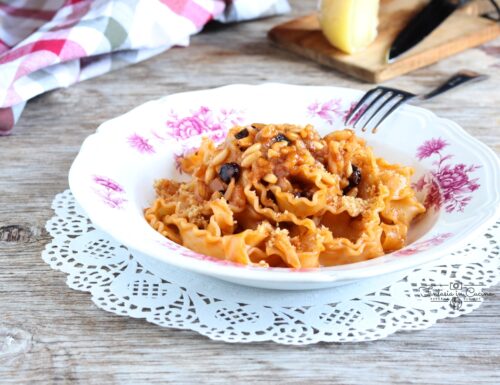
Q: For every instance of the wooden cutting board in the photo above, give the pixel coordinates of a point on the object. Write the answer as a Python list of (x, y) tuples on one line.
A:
[(462, 30)]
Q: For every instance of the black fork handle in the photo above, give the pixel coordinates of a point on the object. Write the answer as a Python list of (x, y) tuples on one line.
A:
[(459, 79)]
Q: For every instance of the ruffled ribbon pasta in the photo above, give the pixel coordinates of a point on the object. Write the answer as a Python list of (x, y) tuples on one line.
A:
[(280, 195)]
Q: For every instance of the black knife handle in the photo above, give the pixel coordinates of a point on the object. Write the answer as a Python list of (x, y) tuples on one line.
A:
[(456, 80), (428, 19)]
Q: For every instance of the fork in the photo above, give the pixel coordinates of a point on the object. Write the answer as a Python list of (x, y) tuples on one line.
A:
[(383, 101)]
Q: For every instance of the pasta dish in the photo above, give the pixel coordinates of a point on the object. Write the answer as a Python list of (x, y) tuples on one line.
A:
[(283, 196)]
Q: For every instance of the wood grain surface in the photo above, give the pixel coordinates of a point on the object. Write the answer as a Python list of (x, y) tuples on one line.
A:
[(50, 334), (462, 30)]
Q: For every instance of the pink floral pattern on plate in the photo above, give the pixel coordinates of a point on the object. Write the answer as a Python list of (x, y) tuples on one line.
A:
[(331, 111), (110, 192), (203, 121), (418, 247), (447, 184), (140, 144)]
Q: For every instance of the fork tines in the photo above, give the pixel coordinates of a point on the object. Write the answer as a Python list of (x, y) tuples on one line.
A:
[(378, 102)]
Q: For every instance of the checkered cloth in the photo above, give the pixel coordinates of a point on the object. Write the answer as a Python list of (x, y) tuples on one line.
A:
[(46, 44)]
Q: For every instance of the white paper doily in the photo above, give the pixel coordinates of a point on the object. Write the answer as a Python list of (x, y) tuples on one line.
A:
[(132, 284)]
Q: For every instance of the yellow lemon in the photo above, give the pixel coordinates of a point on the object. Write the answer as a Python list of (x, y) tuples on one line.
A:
[(349, 25)]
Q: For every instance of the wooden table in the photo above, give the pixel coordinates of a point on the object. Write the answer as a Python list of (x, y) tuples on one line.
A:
[(67, 339)]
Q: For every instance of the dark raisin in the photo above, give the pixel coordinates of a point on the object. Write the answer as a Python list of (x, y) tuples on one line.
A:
[(354, 179), (281, 137), (242, 134), (229, 171)]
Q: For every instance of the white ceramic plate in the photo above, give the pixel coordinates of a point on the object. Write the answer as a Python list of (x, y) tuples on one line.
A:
[(457, 177)]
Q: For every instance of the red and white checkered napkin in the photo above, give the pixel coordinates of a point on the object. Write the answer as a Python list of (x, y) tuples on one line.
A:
[(46, 44)]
